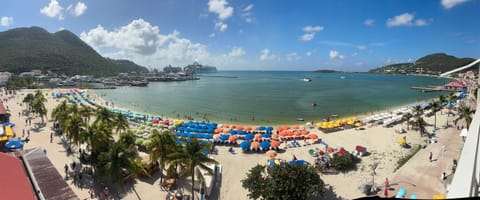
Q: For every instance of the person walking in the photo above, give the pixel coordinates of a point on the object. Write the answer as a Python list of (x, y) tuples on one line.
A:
[(430, 156)]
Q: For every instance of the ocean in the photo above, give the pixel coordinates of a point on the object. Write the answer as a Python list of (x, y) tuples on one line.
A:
[(273, 97)]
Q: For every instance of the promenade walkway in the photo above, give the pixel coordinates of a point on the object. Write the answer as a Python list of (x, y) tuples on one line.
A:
[(425, 181)]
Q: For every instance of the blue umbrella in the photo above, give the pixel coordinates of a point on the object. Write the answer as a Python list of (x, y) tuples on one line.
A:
[(297, 162), (402, 192), (14, 144), (241, 132), (223, 137), (9, 124), (261, 128), (265, 144), (208, 136), (249, 136), (269, 128), (178, 134), (233, 132), (267, 135), (245, 145)]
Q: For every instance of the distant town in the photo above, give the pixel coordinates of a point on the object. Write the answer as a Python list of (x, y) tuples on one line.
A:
[(50, 79)]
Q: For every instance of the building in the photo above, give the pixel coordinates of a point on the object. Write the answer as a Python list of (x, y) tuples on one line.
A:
[(4, 116), (455, 86), (4, 76)]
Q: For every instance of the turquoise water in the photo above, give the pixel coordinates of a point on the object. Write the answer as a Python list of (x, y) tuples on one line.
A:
[(273, 97)]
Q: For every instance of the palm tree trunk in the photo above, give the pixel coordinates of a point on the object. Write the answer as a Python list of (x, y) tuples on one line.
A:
[(435, 123)]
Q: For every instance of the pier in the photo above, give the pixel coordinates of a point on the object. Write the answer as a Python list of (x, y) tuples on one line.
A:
[(218, 76), (433, 89)]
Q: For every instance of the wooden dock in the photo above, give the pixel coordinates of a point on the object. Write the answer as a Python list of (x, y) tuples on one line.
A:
[(433, 89)]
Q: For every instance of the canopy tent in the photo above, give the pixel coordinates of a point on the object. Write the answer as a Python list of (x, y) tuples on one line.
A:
[(464, 132), (402, 192), (14, 144)]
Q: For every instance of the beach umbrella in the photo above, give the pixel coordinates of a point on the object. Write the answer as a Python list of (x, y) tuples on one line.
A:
[(245, 145), (274, 136), (226, 126), (9, 124), (208, 136), (261, 128), (239, 127), (269, 128), (155, 121), (14, 144), (216, 137), (271, 153), (218, 130), (255, 145), (358, 124), (247, 128), (241, 132), (224, 137), (275, 143), (401, 141), (290, 133), (402, 192), (267, 135), (249, 136), (297, 162), (258, 136), (233, 132), (313, 136), (232, 138), (297, 133), (265, 144), (283, 133), (464, 132), (255, 128)]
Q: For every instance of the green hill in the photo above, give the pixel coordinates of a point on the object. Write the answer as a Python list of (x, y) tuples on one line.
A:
[(24, 49), (433, 64)]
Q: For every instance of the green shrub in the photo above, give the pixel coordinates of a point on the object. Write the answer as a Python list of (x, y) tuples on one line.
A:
[(342, 163), (407, 157)]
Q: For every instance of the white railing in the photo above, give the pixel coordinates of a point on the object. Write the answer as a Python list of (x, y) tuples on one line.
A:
[(461, 68)]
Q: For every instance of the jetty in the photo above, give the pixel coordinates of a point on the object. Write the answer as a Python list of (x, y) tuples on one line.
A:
[(433, 89), (218, 76)]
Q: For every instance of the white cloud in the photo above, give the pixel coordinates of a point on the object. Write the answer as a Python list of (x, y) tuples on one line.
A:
[(6, 21), (266, 55), (369, 22), (247, 14), (223, 11), (80, 8), (221, 8), (361, 47), (335, 55), (292, 57), (405, 19), (221, 26), (236, 52), (53, 10), (307, 36), (452, 3), (308, 53), (310, 32), (211, 35), (312, 28)]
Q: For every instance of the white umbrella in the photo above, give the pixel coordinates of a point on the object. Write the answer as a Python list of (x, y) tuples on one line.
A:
[(464, 132)]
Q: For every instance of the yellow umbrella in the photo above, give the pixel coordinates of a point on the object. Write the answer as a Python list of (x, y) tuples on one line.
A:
[(358, 124), (350, 122), (439, 196), (401, 141)]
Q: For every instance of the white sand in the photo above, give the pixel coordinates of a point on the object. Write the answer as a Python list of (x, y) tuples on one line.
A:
[(380, 142)]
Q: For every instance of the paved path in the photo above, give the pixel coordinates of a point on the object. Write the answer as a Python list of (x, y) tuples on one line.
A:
[(422, 177)]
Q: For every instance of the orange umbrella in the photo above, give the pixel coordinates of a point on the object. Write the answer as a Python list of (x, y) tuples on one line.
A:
[(239, 128), (247, 128), (271, 153), (227, 130), (313, 136), (258, 136), (286, 127), (283, 133), (305, 132), (226, 126), (290, 133), (255, 128), (216, 137), (279, 129), (232, 138), (274, 136), (295, 127), (275, 143), (296, 133), (255, 145), (218, 130)]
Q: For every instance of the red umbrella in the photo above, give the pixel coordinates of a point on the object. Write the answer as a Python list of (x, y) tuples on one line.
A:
[(155, 121), (274, 143), (313, 136), (232, 138), (271, 153)]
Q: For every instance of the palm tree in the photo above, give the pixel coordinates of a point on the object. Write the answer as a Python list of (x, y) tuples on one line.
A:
[(417, 110), (120, 122), (420, 123), (38, 104), (407, 118), (435, 106), (160, 147), (117, 162), (99, 139), (192, 155), (103, 115), (60, 114), (451, 97), (465, 113), (75, 127), (128, 140), (86, 112), (28, 99)]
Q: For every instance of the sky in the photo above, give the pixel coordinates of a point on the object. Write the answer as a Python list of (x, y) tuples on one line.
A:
[(301, 35)]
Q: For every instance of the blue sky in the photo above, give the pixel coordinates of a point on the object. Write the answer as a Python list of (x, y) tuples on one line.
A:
[(351, 35)]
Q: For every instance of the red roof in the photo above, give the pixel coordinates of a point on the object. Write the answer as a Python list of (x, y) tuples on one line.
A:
[(455, 84), (14, 182), (2, 109)]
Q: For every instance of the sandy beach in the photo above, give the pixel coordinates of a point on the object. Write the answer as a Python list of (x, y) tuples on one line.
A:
[(381, 142)]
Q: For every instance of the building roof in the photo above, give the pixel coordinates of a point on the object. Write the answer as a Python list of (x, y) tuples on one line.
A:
[(455, 84), (51, 184), (14, 181), (3, 111)]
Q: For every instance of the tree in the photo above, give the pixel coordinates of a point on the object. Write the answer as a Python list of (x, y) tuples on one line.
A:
[(118, 162), (465, 113), (283, 181), (75, 127), (407, 118), (28, 99), (86, 112), (192, 155), (451, 98), (435, 107), (161, 146), (120, 122), (60, 114), (342, 163), (421, 124), (103, 115), (99, 138)]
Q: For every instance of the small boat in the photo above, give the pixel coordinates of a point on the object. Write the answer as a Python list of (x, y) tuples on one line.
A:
[(307, 79), (299, 119), (334, 115)]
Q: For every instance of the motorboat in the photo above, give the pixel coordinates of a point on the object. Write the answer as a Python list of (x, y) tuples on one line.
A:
[(307, 79)]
